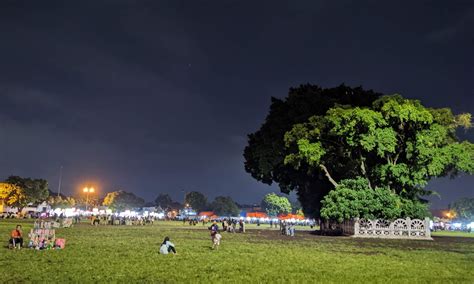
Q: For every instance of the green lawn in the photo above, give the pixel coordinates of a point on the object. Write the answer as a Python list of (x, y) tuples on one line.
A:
[(453, 234), (130, 254)]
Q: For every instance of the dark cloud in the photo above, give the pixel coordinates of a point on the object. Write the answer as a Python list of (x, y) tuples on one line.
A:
[(159, 96)]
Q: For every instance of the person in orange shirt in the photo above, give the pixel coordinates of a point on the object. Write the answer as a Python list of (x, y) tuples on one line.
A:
[(16, 237)]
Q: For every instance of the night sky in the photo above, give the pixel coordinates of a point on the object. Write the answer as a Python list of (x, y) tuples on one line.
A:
[(158, 96)]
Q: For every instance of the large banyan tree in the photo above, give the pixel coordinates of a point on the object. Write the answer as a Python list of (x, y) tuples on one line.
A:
[(384, 148)]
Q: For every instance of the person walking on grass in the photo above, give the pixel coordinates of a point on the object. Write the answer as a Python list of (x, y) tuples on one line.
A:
[(167, 247)]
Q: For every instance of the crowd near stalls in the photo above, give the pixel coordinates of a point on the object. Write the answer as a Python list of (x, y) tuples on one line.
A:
[(286, 223), (451, 225), (105, 216), (448, 220)]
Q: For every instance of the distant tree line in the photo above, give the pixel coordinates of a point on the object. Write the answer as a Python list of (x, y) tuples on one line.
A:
[(18, 192)]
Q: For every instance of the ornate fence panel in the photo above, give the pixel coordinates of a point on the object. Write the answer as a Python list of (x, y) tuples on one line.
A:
[(398, 229)]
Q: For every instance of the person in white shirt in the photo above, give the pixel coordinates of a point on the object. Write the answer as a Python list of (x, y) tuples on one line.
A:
[(167, 247)]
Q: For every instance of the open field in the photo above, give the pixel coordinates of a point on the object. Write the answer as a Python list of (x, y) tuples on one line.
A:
[(130, 254), (452, 234)]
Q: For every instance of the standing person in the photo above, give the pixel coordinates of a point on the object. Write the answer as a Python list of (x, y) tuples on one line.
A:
[(283, 227), (214, 228), (16, 237), (224, 225), (167, 247)]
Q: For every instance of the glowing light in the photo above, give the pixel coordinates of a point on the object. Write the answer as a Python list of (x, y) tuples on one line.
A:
[(457, 225)]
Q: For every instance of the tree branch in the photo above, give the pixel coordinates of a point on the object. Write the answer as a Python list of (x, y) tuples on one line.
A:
[(331, 180), (364, 171), (396, 158)]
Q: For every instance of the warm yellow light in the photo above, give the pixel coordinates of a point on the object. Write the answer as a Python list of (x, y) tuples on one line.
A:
[(448, 215), (85, 189), (91, 189)]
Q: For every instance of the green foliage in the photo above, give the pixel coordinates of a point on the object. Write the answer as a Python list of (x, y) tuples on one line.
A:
[(414, 209), (396, 144), (60, 202), (12, 195), (464, 208), (121, 200), (164, 201), (225, 206), (196, 200), (352, 198), (274, 204), (34, 190), (269, 160)]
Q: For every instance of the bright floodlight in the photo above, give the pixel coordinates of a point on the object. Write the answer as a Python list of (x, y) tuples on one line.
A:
[(91, 189), (85, 189)]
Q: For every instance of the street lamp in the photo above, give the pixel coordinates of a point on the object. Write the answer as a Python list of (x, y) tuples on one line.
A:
[(88, 190)]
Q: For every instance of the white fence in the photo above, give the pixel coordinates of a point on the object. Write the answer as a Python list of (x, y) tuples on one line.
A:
[(398, 229), (379, 228)]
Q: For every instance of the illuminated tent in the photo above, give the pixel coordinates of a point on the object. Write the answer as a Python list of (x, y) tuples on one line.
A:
[(290, 216), (207, 214), (257, 215)]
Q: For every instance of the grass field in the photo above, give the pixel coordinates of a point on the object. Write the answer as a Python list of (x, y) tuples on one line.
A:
[(130, 254)]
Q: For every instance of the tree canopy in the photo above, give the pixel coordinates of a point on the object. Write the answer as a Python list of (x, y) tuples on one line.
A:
[(34, 190), (464, 208), (61, 202), (12, 195), (316, 138), (266, 150), (396, 144), (196, 200), (164, 201), (121, 200), (352, 198), (274, 204), (225, 206)]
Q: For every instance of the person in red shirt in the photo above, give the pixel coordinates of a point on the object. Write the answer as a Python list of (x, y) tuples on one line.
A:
[(16, 237)]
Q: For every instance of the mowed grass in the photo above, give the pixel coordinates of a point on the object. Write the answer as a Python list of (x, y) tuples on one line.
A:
[(453, 234), (130, 254)]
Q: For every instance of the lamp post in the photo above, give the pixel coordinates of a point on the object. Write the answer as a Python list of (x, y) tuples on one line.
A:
[(87, 191)]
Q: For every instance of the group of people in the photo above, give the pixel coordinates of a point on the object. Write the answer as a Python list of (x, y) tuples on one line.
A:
[(42, 237), (230, 225), (287, 228), (118, 220)]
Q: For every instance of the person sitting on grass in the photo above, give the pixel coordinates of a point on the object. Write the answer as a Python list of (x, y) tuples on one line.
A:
[(167, 247), (16, 237)]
